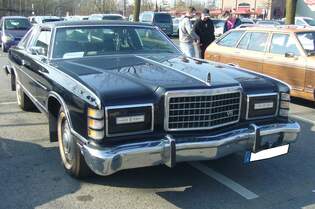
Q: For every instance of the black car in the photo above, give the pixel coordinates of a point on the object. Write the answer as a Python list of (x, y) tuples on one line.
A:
[(120, 95)]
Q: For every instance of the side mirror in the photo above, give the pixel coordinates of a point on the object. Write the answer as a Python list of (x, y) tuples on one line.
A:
[(36, 50), (289, 55)]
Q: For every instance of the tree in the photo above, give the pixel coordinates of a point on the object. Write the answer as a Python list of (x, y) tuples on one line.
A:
[(290, 12), (136, 11)]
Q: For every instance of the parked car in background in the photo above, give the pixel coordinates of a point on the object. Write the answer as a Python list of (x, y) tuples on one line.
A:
[(45, 19), (286, 53), (304, 21), (247, 21), (161, 19), (106, 17), (76, 18), (268, 22), (149, 104), (218, 27), (13, 28), (176, 21)]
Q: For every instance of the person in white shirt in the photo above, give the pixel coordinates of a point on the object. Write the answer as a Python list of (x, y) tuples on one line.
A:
[(187, 35)]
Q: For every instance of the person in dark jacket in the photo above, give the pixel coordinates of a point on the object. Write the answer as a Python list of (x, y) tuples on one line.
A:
[(204, 28), (231, 22)]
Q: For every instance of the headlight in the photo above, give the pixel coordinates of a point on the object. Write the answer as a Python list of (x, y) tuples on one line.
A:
[(129, 119), (262, 105), (95, 123), (284, 104), (7, 38)]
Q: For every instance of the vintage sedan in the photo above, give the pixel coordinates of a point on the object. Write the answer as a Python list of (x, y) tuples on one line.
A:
[(286, 53), (120, 95)]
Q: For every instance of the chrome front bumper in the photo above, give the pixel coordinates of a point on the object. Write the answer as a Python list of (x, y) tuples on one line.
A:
[(170, 150)]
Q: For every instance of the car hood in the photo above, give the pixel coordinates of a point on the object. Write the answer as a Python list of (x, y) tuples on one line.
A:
[(144, 77), (16, 33)]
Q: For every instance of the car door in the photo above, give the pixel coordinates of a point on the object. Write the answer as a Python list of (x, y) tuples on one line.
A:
[(251, 50), (37, 62), (284, 61)]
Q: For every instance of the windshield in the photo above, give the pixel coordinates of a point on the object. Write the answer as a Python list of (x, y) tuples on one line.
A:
[(113, 17), (307, 40), (108, 40), (51, 20), (17, 24), (310, 22), (162, 18)]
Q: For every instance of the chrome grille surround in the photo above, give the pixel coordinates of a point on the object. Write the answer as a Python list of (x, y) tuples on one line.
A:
[(202, 109)]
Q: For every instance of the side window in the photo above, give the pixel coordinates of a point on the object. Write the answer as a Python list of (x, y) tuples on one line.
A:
[(283, 43), (258, 41), (299, 22), (243, 44), (43, 40), (231, 39)]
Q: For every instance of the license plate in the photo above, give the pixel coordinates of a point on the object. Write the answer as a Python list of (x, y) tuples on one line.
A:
[(266, 154)]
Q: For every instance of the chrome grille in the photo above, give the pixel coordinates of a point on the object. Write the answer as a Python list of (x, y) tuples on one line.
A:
[(204, 110)]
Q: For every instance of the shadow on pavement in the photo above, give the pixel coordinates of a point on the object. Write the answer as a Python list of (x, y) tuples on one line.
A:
[(303, 102), (31, 175)]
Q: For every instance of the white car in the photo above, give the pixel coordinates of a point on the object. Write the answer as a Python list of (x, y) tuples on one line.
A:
[(76, 18), (44, 19), (304, 21), (106, 17)]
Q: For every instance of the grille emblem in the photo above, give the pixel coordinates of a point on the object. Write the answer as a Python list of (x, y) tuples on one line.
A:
[(229, 113)]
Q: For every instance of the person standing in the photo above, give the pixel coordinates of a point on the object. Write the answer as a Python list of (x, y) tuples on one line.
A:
[(231, 22), (187, 35), (204, 28)]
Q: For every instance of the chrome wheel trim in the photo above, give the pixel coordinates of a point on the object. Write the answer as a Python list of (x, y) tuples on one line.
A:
[(65, 140), (18, 93)]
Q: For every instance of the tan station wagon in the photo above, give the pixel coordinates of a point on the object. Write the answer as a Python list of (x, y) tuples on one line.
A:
[(286, 53)]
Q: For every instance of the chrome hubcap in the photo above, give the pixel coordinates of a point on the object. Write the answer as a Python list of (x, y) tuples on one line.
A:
[(67, 142)]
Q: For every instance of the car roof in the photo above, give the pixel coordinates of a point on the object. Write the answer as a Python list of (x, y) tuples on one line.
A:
[(16, 17), (93, 23), (280, 28)]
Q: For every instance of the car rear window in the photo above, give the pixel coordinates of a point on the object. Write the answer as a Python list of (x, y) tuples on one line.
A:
[(231, 39), (162, 18), (112, 17)]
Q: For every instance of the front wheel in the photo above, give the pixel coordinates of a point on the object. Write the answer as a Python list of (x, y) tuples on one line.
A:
[(72, 159)]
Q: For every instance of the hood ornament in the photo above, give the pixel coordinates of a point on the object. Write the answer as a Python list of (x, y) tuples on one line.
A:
[(209, 78)]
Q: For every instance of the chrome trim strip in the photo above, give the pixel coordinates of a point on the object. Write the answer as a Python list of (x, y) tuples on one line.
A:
[(129, 106), (33, 79), (182, 72), (199, 92), (261, 95)]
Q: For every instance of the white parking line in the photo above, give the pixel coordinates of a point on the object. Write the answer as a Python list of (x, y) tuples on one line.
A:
[(7, 103), (302, 119), (225, 181)]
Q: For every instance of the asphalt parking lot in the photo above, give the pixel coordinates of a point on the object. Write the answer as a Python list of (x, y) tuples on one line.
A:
[(32, 176)]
